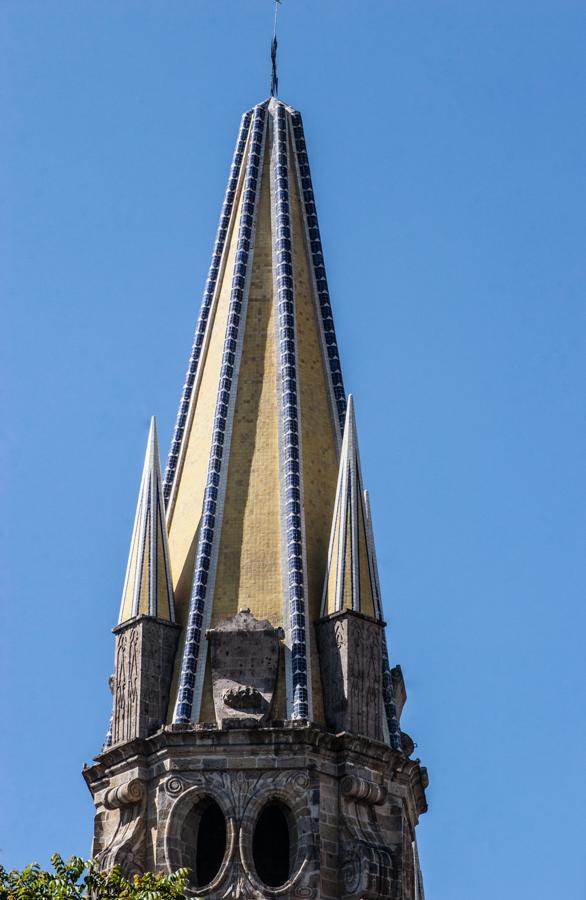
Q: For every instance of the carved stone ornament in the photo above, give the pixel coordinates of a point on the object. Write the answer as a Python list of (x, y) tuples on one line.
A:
[(241, 796), (366, 862), (365, 872), (244, 658), (354, 788), (127, 836)]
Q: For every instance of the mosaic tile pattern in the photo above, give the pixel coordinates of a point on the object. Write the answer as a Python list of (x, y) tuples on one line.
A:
[(317, 258), (228, 378), (290, 418), (208, 297)]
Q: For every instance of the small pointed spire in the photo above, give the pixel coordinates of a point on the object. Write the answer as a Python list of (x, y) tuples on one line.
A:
[(351, 581), (147, 586)]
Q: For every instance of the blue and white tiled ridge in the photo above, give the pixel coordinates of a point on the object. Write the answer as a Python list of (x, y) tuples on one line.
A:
[(213, 497), (317, 257), (290, 437), (208, 296)]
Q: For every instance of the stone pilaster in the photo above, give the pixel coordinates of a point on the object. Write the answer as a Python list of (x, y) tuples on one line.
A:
[(350, 652), (145, 653)]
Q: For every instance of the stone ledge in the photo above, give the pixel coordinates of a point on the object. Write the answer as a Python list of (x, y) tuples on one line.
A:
[(276, 741)]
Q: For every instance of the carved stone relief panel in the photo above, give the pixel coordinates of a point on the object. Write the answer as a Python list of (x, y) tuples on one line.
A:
[(351, 668), (244, 659), (145, 651), (126, 686)]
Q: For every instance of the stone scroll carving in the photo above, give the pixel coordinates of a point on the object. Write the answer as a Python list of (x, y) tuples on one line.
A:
[(244, 657), (366, 864), (355, 788), (124, 828)]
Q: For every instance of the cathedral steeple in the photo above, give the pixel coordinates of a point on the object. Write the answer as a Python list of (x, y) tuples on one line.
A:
[(255, 733), (259, 427)]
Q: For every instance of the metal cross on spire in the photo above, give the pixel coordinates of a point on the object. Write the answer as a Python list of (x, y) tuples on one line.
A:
[(274, 77)]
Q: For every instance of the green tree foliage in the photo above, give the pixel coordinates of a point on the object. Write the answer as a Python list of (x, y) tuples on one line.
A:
[(81, 880)]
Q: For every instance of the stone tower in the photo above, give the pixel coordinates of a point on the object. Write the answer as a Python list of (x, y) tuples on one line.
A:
[(255, 732)]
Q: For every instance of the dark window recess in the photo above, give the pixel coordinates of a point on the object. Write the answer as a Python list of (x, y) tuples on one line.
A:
[(271, 845), (211, 844)]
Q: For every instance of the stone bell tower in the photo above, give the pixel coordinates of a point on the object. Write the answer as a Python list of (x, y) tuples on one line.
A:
[(255, 732)]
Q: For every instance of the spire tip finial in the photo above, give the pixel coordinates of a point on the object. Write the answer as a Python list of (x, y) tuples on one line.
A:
[(274, 76)]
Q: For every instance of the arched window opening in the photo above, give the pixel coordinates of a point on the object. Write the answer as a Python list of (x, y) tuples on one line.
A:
[(204, 840), (273, 844)]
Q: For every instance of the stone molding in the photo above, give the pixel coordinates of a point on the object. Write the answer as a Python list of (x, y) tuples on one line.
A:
[(355, 749)]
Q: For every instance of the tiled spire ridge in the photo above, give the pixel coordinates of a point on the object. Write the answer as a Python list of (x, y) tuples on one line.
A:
[(319, 272), (147, 585), (208, 296), (213, 496), (290, 419)]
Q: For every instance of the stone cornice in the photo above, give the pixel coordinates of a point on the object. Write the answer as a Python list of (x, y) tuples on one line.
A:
[(336, 750)]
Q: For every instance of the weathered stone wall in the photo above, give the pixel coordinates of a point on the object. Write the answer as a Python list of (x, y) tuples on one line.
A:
[(352, 805)]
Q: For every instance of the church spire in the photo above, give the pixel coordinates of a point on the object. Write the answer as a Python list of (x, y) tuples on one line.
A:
[(147, 586), (223, 640), (351, 581), (251, 475)]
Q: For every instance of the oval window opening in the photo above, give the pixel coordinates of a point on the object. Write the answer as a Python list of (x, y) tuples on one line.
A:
[(271, 845), (204, 841)]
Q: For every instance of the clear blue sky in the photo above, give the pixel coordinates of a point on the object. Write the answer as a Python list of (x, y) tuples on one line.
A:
[(448, 142)]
